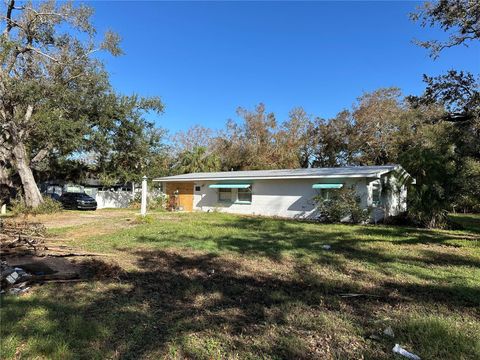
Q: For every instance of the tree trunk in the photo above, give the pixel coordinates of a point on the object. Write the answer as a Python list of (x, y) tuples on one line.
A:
[(33, 197)]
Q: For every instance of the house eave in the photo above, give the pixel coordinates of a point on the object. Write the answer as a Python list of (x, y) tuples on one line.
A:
[(168, 179)]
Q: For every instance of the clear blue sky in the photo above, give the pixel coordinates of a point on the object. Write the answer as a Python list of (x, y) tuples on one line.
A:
[(206, 59)]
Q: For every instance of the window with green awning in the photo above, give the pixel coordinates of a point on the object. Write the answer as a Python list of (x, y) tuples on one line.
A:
[(327, 186)]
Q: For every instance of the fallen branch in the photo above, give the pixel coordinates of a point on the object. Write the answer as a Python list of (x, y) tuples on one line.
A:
[(28, 242), (60, 255), (65, 250)]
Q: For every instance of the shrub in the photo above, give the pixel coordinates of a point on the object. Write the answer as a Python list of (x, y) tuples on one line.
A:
[(343, 204), (154, 202), (49, 206), (158, 201), (147, 219), (402, 219), (135, 203), (18, 206)]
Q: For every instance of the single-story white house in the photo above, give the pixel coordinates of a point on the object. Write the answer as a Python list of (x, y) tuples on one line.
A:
[(290, 192)]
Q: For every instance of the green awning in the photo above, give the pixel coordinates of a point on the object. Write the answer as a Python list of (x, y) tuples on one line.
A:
[(327, 186), (229, 186)]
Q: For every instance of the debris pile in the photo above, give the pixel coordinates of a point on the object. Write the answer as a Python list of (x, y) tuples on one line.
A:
[(13, 279), (12, 227), (21, 238), (30, 238), (29, 256)]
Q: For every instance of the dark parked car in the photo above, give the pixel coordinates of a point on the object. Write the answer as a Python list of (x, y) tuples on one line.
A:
[(80, 201)]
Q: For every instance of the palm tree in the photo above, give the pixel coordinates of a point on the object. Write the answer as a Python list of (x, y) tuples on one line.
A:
[(198, 160)]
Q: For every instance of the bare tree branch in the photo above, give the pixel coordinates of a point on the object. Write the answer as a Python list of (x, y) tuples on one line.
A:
[(12, 23), (39, 156), (42, 53), (9, 26)]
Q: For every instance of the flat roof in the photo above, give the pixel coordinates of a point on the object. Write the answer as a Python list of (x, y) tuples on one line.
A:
[(312, 173)]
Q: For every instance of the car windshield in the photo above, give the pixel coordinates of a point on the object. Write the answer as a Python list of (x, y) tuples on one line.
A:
[(80, 195)]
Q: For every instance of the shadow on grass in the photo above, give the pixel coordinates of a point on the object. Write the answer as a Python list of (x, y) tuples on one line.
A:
[(368, 245), (208, 306), (470, 222), (168, 299), (272, 238)]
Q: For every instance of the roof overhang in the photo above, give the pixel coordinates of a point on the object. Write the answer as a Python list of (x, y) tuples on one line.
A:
[(250, 178), (373, 174)]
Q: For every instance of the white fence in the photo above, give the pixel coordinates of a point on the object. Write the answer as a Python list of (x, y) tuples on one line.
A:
[(113, 199)]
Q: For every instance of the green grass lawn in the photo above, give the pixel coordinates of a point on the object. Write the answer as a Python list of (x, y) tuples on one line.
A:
[(217, 286), (467, 221)]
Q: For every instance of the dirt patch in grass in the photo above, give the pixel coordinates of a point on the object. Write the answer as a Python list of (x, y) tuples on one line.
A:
[(44, 265), (76, 218), (85, 267), (76, 225)]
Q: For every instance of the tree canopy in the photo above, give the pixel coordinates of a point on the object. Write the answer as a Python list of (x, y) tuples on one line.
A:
[(460, 18), (56, 100)]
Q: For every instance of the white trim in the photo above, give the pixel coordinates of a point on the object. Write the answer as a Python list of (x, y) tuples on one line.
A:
[(372, 175)]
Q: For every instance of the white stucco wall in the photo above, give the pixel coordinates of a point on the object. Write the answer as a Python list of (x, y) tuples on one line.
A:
[(285, 198)]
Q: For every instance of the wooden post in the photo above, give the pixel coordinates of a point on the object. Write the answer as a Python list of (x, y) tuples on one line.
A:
[(143, 208)]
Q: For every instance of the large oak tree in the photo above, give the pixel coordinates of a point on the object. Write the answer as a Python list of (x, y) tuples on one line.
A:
[(55, 97)]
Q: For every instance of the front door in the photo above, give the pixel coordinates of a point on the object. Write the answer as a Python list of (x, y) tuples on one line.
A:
[(184, 191)]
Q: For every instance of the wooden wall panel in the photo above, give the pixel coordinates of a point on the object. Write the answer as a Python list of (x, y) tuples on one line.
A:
[(185, 193)]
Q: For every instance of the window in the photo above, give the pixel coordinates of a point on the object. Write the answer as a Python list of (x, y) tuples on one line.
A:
[(197, 188), (244, 195), (225, 195), (74, 188)]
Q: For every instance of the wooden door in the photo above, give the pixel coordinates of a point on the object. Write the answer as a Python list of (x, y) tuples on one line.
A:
[(185, 194)]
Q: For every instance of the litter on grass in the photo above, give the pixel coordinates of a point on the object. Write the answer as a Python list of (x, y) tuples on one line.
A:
[(397, 349), (389, 332), (13, 279), (354, 295)]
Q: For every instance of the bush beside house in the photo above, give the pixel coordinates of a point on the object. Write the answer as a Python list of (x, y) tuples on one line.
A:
[(342, 205)]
